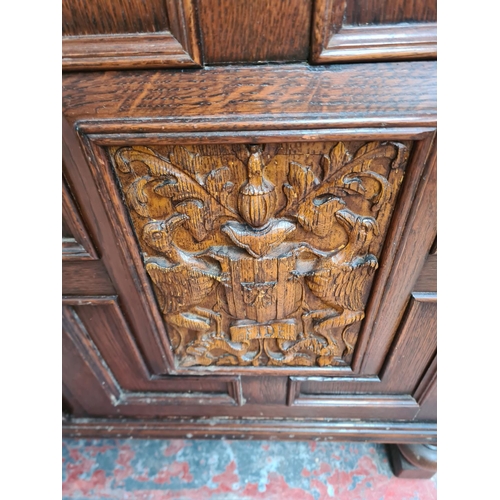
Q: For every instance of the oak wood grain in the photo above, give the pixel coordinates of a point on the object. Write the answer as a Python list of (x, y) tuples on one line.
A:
[(127, 34), (427, 281), (114, 257), (368, 95), (86, 278), (389, 11), (350, 31), (93, 17), (76, 243), (412, 252), (255, 30)]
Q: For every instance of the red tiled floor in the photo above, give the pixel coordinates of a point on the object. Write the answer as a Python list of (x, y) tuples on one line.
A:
[(227, 470)]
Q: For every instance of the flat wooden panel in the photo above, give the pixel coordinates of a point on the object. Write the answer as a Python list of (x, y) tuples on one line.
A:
[(289, 97), (350, 31), (104, 34), (82, 372), (427, 281), (102, 335), (76, 243), (255, 30), (66, 230), (426, 394), (414, 346), (99, 17), (264, 390), (86, 278), (365, 406), (389, 11)]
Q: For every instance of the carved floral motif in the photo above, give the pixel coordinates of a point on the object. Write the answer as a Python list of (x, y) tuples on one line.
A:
[(262, 254)]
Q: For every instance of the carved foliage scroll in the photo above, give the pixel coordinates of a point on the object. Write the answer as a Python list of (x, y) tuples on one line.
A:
[(262, 255)]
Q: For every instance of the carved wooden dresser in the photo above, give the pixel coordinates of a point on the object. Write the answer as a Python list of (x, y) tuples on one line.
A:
[(249, 221)]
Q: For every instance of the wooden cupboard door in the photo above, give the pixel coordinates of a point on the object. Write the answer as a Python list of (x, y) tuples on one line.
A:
[(261, 253)]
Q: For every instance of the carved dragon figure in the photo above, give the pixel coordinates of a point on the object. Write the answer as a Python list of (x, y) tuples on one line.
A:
[(181, 281), (339, 281)]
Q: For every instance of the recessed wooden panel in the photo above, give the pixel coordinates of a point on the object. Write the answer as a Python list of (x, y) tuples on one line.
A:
[(350, 31), (76, 243), (99, 333), (426, 394), (86, 278), (389, 11), (317, 392), (104, 17), (107, 34), (427, 281), (415, 344), (262, 255), (255, 30)]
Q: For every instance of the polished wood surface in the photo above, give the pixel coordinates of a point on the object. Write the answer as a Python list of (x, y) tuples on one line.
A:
[(376, 30), (259, 254), (106, 17), (255, 31), (129, 34), (276, 97), (250, 248)]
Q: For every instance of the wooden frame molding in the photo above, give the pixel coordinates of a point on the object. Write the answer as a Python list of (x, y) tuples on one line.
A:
[(375, 405), (118, 396), (79, 247), (380, 431), (180, 46), (333, 42)]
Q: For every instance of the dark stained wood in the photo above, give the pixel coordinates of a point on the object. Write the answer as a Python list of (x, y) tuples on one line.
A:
[(293, 96), (390, 11), (82, 373), (130, 34), (427, 281), (426, 394), (415, 343), (146, 153), (334, 430), (115, 258), (86, 278), (76, 243), (411, 254), (99, 17), (413, 461), (350, 31), (255, 30), (264, 390), (368, 405)]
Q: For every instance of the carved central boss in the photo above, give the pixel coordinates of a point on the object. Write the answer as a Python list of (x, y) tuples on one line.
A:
[(262, 255)]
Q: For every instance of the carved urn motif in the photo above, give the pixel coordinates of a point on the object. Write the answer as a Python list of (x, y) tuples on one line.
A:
[(257, 197)]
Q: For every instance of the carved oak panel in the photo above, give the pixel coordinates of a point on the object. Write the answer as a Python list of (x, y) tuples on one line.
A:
[(262, 255)]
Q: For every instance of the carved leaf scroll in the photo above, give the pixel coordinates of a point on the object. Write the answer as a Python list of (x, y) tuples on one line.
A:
[(262, 255)]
